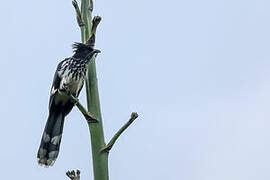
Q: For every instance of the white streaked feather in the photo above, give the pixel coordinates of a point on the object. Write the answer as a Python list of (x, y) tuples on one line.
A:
[(46, 137), (56, 140)]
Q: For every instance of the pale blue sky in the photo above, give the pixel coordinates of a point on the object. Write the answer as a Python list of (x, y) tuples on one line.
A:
[(197, 72)]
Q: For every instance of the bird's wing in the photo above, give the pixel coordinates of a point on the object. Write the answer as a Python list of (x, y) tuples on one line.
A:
[(56, 82)]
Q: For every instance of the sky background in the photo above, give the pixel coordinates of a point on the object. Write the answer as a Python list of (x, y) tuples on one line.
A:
[(197, 72)]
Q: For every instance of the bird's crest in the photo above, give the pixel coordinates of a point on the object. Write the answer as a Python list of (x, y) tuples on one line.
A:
[(80, 47)]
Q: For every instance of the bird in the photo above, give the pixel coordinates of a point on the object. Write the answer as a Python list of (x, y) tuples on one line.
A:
[(69, 78)]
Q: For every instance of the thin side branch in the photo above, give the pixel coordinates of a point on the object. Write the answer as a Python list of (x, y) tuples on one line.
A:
[(109, 146), (74, 175), (95, 22), (88, 116), (91, 6), (78, 13)]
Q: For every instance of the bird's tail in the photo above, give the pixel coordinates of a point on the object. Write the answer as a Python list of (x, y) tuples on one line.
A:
[(51, 139)]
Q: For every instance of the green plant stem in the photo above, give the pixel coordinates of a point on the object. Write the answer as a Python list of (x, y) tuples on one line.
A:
[(86, 15), (100, 159), (100, 150)]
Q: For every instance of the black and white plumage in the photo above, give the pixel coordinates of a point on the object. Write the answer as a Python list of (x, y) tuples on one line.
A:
[(69, 77)]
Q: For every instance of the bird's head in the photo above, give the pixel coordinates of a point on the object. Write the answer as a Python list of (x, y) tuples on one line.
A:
[(84, 51)]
